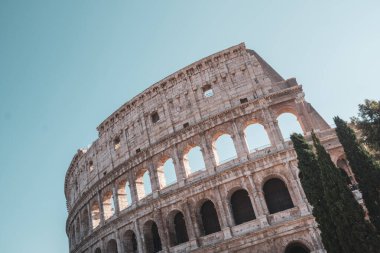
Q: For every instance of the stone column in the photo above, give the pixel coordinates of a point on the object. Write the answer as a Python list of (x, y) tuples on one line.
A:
[(240, 144), (101, 212), (162, 231), (260, 202), (115, 200), (208, 155), (224, 224), (190, 224), (154, 181), (179, 166), (89, 219), (139, 236)]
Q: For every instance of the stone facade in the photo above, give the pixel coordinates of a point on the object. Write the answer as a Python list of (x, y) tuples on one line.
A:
[(220, 94)]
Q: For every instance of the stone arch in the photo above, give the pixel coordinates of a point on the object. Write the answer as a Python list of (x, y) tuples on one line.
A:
[(177, 228), (223, 148), (108, 204), (241, 206), (111, 246), (130, 242), (166, 172), (143, 183), (124, 194), (297, 247), (209, 217), (193, 159), (345, 169), (277, 196), (95, 214), (98, 250), (256, 137), (85, 223), (152, 237), (289, 123)]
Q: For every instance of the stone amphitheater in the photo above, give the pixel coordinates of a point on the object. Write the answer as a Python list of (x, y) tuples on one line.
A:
[(120, 197)]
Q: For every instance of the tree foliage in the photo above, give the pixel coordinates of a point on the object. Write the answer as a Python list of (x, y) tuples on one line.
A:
[(368, 122), (365, 169), (355, 234), (313, 188)]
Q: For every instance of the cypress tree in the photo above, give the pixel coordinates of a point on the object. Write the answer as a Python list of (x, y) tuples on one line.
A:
[(312, 185), (365, 168), (355, 234)]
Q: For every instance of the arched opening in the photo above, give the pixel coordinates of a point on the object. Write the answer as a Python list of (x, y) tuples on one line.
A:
[(124, 194), (85, 222), (143, 184), (256, 137), (289, 124), (345, 171), (97, 250), (168, 171), (177, 228), (152, 237), (224, 149), (209, 216), (277, 196), (95, 215), (108, 205), (241, 205), (297, 248), (130, 242), (111, 246), (194, 160)]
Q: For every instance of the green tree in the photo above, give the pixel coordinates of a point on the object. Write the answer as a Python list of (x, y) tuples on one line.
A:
[(365, 168), (368, 122), (313, 188), (355, 234)]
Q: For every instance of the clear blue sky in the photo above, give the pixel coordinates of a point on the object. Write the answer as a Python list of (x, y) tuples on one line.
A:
[(66, 65)]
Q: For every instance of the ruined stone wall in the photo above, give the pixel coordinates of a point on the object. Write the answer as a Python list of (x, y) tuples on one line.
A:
[(220, 94)]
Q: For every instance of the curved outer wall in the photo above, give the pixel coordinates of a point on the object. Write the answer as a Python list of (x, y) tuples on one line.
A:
[(245, 90)]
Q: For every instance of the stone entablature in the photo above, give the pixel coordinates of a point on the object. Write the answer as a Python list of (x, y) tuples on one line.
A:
[(220, 94)]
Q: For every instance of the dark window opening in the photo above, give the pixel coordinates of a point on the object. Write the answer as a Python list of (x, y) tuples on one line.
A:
[(207, 91), (242, 207), (181, 235), (116, 143), (112, 246), (91, 165), (209, 217), (297, 248), (138, 150), (130, 242), (243, 100), (186, 125), (155, 117), (277, 196)]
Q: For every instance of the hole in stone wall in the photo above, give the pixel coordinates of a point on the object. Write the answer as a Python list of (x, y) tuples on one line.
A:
[(243, 100), (155, 117), (207, 91), (116, 142), (224, 149), (256, 137)]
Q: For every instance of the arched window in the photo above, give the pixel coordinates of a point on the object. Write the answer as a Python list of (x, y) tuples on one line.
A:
[(289, 124), (194, 160), (97, 250), (143, 184), (177, 229), (169, 173), (130, 242), (297, 248), (95, 215), (85, 222), (108, 205), (241, 205), (111, 246), (342, 164), (277, 196), (124, 194), (256, 137), (224, 149), (209, 218), (152, 237)]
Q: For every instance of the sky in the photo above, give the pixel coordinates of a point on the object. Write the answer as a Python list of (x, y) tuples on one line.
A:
[(67, 65)]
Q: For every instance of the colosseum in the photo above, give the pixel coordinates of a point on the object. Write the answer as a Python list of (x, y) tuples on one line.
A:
[(156, 179)]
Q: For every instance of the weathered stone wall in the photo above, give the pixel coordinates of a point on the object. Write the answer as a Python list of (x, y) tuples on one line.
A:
[(245, 90)]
